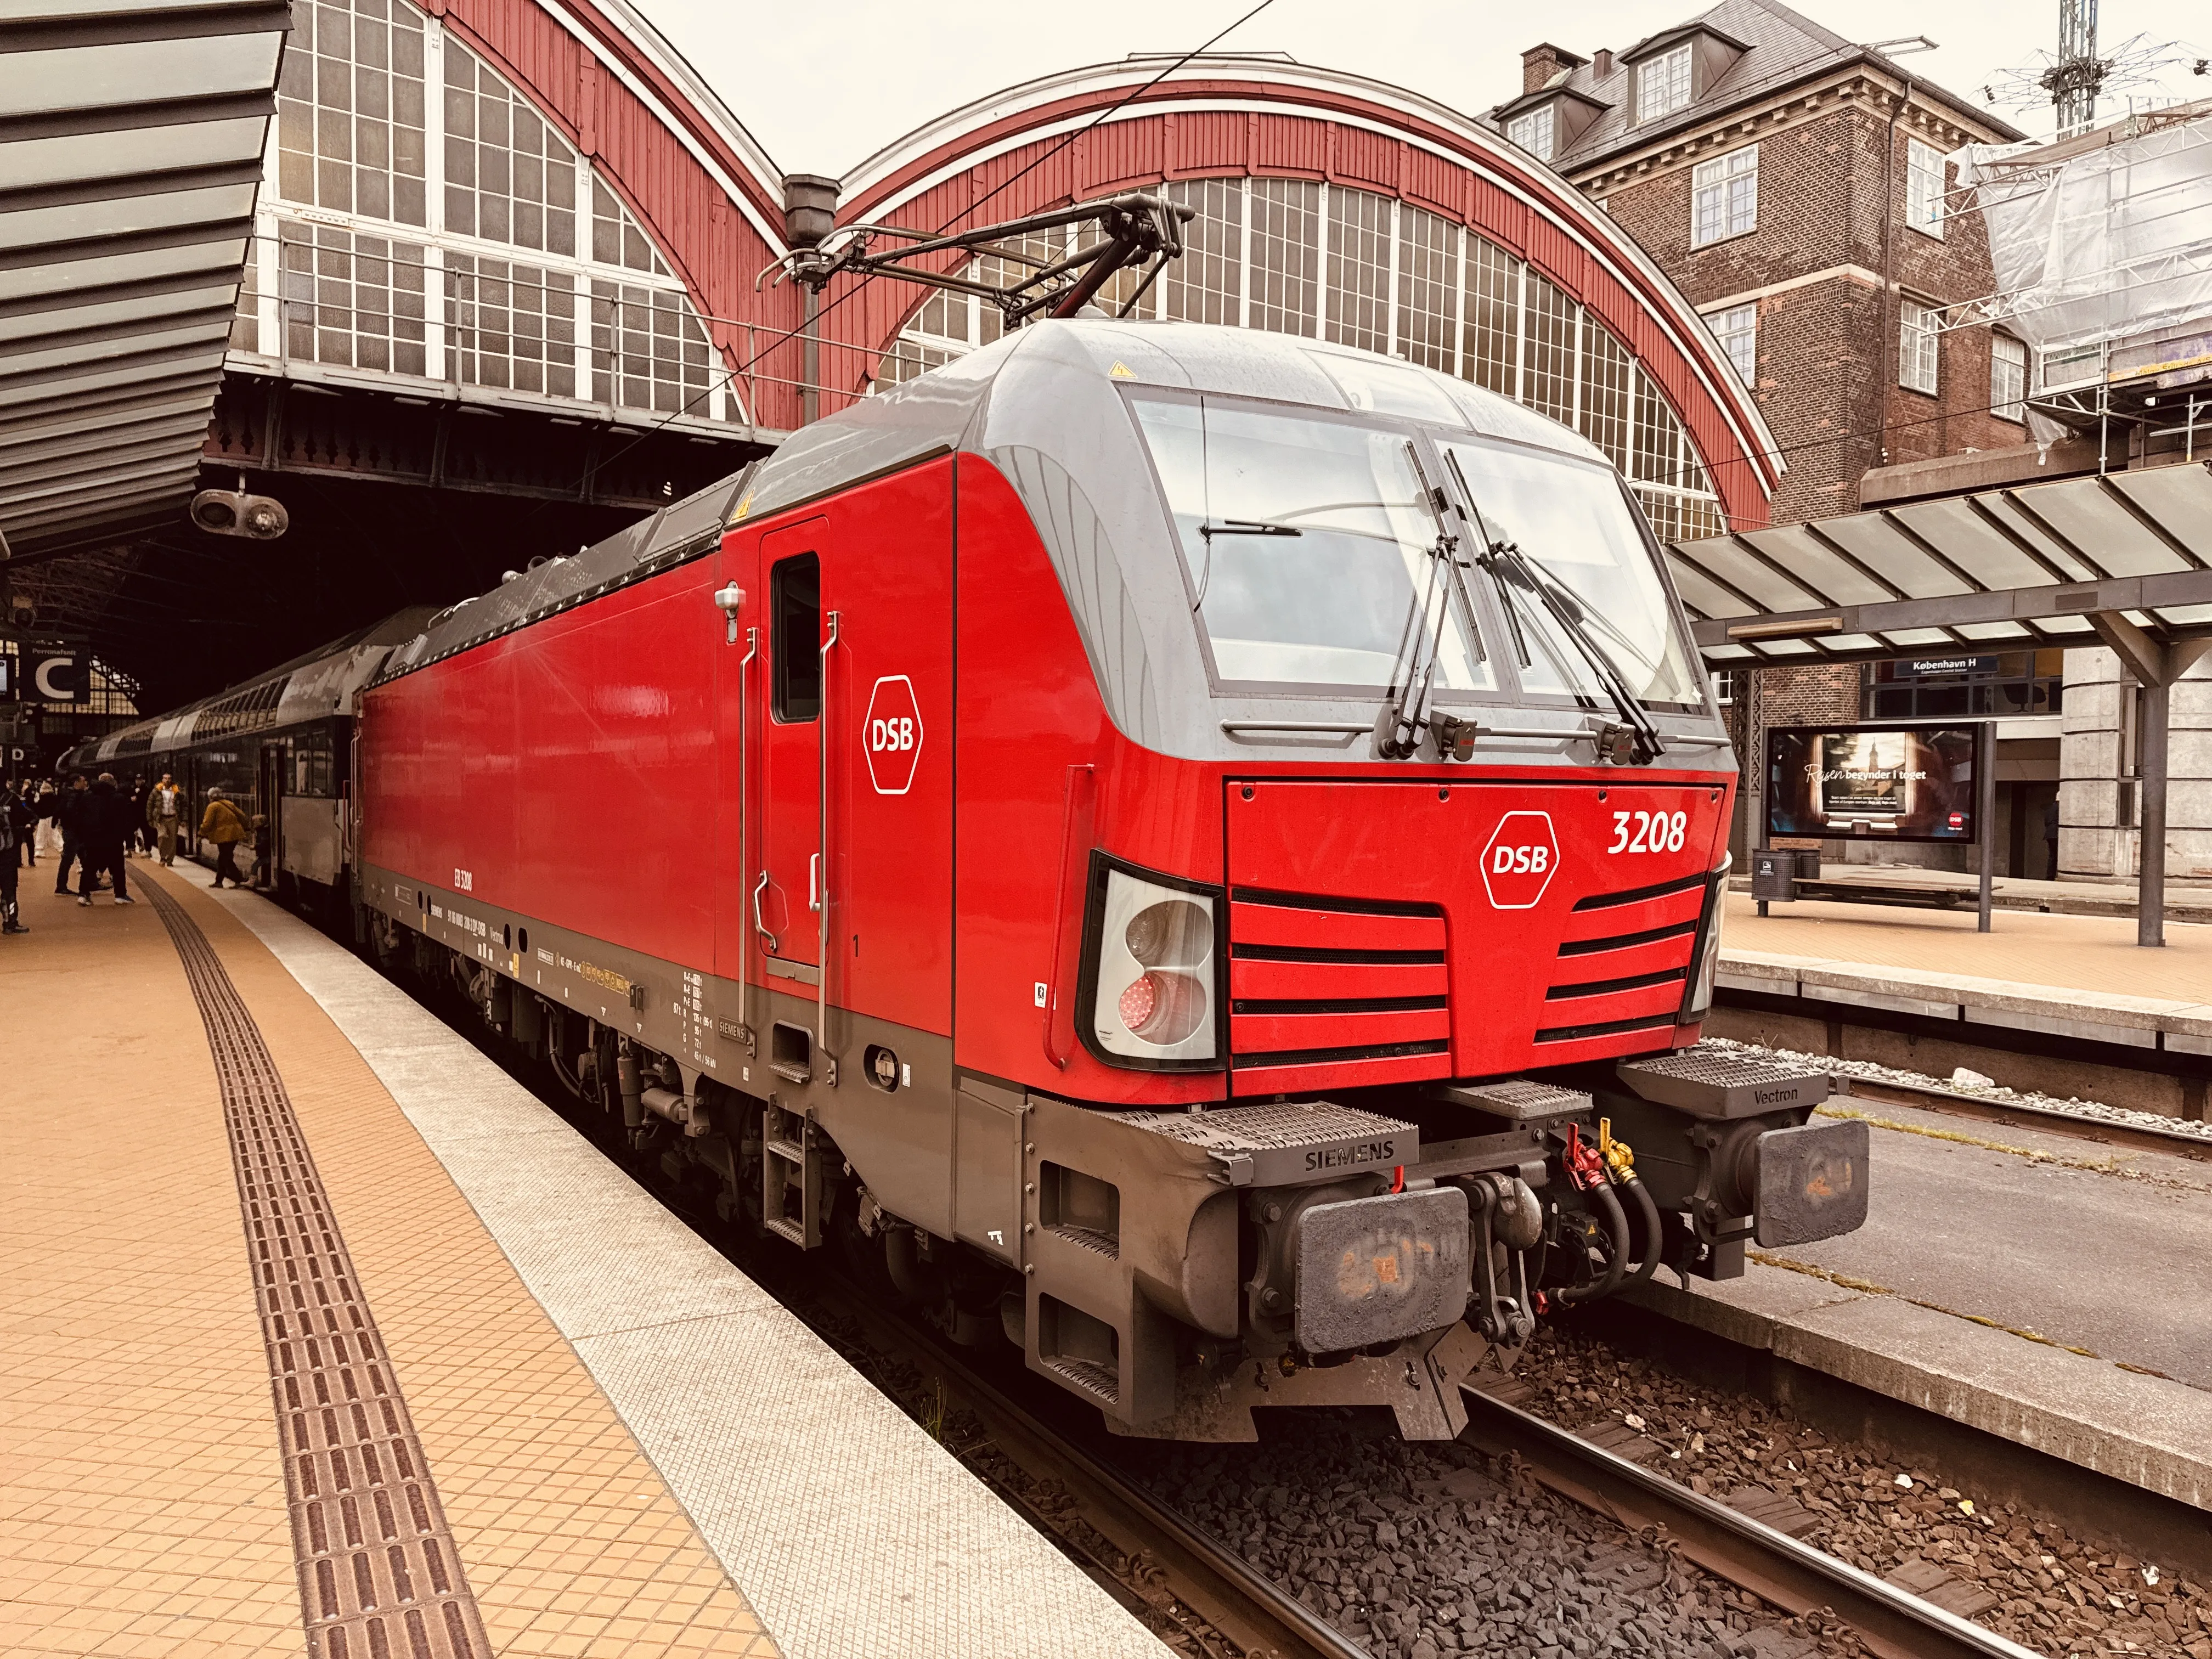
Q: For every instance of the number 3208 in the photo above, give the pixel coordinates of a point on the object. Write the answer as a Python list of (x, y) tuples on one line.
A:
[(1648, 832)]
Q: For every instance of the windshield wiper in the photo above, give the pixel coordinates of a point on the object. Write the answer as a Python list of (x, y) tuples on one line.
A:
[(1246, 527), (1514, 573), (1408, 714)]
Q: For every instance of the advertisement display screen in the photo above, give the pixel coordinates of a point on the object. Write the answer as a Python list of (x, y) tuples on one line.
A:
[(1885, 782)]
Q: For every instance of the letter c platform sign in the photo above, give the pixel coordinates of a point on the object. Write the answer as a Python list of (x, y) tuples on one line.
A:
[(890, 735), (56, 676)]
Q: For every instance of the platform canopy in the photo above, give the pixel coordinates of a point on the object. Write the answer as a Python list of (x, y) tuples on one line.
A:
[(130, 143), (2037, 565)]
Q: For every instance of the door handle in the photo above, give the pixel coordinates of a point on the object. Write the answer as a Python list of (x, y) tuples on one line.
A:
[(814, 882), (760, 924)]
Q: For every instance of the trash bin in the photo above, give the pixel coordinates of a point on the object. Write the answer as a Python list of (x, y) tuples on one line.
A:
[(1774, 875)]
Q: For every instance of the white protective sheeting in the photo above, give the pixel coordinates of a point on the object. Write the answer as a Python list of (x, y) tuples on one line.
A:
[(2099, 246)]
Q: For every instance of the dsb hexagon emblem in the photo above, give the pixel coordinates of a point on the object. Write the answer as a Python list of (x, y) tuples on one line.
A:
[(1518, 864), (892, 735)]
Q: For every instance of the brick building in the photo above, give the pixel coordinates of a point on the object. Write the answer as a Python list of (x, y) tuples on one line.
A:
[(1793, 185)]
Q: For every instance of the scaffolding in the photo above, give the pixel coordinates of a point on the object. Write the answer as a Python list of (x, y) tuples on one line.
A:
[(2101, 246)]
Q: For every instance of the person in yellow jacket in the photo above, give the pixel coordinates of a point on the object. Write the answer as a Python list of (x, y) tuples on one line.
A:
[(225, 825)]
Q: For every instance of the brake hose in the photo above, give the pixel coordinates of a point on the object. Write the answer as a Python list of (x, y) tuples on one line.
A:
[(1651, 1228), (1616, 1222)]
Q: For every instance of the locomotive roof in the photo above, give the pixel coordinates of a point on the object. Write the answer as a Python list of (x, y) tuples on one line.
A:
[(958, 406)]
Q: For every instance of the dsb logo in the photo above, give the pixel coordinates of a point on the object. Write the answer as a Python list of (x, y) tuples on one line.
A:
[(1519, 861), (892, 730)]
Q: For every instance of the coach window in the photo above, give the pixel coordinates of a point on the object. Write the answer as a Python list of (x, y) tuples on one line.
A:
[(795, 602)]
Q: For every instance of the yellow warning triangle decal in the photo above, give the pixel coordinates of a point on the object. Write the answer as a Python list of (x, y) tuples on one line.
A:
[(1122, 371)]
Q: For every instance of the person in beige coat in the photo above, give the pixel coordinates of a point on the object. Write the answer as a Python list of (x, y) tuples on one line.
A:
[(224, 825)]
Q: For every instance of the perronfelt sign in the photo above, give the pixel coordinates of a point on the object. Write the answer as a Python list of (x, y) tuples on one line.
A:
[(1520, 859), (891, 734)]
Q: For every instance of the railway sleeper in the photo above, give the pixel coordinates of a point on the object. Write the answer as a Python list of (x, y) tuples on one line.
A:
[(1182, 1269)]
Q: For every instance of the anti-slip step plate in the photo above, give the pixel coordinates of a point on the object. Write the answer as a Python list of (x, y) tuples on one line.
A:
[(1718, 1083), (1281, 1143), (1515, 1099)]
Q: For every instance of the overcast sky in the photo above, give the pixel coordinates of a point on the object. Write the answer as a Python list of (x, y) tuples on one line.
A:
[(822, 85)]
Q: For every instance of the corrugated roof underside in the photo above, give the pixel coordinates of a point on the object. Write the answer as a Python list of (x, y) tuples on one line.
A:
[(130, 147)]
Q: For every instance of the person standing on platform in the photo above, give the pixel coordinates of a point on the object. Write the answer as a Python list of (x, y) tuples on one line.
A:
[(135, 837), (165, 817), (104, 829), (223, 824), (49, 836), (69, 817), (18, 823)]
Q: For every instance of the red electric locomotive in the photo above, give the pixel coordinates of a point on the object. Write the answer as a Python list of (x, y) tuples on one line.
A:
[(1179, 841)]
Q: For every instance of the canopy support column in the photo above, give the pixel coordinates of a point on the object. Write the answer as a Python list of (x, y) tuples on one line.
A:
[(2156, 668)]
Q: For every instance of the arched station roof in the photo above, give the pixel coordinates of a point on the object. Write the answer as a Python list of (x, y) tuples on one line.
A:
[(1262, 117)]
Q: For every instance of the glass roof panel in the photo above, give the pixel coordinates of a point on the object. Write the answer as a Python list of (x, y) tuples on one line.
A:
[(1838, 581), (2063, 625), (2179, 498), (1876, 545), (1952, 529), (1918, 636), (2185, 615), (1764, 586), (1728, 652), (2078, 510), (1704, 595), (1841, 644), (2018, 524), (1785, 648), (1992, 630)]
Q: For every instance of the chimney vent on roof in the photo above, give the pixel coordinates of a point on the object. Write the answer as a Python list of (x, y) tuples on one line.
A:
[(1539, 63), (1601, 64)]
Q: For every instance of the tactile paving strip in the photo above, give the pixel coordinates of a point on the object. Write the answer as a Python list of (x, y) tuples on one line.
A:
[(380, 1577)]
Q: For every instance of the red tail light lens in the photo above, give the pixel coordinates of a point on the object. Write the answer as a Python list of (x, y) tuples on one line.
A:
[(1162, 1007)]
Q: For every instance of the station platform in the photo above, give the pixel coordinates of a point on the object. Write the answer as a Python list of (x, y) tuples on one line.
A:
[(323, 1333), (2074, 978)]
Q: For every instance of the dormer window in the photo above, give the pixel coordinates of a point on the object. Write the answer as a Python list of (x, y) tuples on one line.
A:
[(1533, 133), (1662, 83)]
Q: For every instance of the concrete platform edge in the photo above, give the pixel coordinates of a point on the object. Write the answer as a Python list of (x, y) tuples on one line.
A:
[(2149, 1431), (854, 1537)]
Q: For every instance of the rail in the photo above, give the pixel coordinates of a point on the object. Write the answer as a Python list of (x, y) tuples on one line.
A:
[(2052, 1120), (1774, 1567)]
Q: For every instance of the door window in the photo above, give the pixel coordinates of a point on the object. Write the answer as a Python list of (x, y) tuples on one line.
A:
[(795, 607)]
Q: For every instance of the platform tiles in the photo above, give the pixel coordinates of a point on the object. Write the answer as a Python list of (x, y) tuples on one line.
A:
[(323, 1333)]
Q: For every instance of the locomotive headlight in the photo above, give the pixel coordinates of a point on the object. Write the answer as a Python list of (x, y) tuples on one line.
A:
[(1699, 996), (1150, 996)]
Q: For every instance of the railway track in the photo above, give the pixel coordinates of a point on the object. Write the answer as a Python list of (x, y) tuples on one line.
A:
[(1776, 1568), (2076, 1126)]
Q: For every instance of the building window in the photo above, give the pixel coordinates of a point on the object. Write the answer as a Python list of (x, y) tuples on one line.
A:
[(350, 113), (1286, 255), (1724, 197), (509, 178), (2007, 377), (1490, 337), (1533, 132), (1737, 330), (1206, 285), (1609, 393), (1923, 187), (371, 285), (1662, 84), (1359, 247), (1920, 345), (1547, 378), (1428, 289)]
